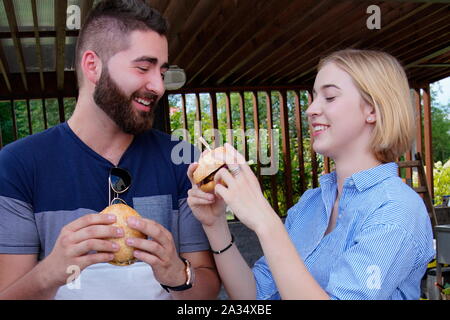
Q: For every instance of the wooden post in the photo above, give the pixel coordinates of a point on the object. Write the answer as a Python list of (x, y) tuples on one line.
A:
[(418, 107), (314, 166), (229, 118), (215, 124), (44, 111), (428, 138), (299, 127), (30, 126), (243, 123), (273, 178), (286, 148), (184, 115), (198, 119), (62, 116), (256, 126), (14, 120)]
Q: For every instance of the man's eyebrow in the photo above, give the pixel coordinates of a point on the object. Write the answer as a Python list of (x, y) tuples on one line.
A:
[(151, 60)]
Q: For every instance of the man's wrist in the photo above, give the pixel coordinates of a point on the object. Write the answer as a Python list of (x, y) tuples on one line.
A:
[(189, 278)]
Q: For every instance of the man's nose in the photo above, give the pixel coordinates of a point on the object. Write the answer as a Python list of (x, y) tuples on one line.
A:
[(155, 83)]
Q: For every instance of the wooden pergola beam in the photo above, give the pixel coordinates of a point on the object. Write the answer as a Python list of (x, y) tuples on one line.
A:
[(253, 26), (392, 23), (230, 24), (60, 41), (432, 65), (435, 54), (11, 16), (201, 16), (38, 44), (4, 68), (266, 55), (86, 6)]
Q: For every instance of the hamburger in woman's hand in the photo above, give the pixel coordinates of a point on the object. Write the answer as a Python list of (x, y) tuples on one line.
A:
[(208, 165), (124, 256)]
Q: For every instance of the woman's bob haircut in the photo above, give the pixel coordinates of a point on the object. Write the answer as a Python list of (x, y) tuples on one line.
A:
[(383, 84)]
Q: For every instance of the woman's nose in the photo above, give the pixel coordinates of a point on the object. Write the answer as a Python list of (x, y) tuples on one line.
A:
[(313, 109)]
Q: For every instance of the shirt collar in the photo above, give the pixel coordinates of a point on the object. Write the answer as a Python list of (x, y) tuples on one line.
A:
[(363, 179)]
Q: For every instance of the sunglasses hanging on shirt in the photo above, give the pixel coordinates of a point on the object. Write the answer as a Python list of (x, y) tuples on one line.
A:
[(119, 181)]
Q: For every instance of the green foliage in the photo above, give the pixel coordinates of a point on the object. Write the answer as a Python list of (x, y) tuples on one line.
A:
[(440, 132), (441, 179), (36, 114)]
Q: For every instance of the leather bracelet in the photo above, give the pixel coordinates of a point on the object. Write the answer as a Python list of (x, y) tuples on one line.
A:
[(226, 248)]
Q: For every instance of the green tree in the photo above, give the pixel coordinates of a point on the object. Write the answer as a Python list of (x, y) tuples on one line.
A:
[(440, 125)]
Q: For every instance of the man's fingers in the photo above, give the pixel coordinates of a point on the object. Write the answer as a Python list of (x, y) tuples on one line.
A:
[(90, 219), (152, 229), (199, 194), (86, 246), (149, 246), (96, 232), (190, 172), (93, 258)]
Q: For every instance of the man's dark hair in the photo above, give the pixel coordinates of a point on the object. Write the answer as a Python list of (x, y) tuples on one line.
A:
[(109, 24)]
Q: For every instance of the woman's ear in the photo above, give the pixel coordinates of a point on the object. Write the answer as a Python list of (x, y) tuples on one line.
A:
[(91, 65), (370, 113)]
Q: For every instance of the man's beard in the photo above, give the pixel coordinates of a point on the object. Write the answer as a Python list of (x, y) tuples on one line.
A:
[(118, 106)]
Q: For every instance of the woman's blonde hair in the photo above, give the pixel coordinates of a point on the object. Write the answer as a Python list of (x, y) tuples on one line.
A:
[(382, 83)]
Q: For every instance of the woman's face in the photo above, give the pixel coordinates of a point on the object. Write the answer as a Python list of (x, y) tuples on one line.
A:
[(340, 121)]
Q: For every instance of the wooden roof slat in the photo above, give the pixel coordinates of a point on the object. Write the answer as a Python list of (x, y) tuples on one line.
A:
[(254, 26), (85, 6), (391, 21), (427, 32), (259, 55), (11, 15), (4, 68), (177, 12), (318, 42), (60, 41), (203, 14), (240, 45), (228, 24), (439, 52), (38, 44), (402, 25)]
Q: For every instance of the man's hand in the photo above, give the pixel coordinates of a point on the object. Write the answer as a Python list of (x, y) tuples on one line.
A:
[(208, 208), (75, 243), (159, 252)]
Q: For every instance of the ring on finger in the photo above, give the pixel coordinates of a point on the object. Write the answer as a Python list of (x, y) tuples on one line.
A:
[(235, 171)]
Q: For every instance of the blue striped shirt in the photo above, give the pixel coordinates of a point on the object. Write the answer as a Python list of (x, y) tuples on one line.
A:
[(379, 248)]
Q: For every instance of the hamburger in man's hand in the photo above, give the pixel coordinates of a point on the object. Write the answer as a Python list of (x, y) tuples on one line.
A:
[(124, 256)]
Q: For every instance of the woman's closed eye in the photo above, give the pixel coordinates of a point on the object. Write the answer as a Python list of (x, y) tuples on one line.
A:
[(329, 99)]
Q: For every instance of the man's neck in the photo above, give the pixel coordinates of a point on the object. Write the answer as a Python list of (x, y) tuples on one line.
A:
[(98, 131)]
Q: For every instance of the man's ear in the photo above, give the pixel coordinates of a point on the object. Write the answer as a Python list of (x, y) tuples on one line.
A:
[(91, 65)]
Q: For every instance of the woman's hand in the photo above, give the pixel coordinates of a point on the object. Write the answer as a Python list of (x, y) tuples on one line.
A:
[(242, 191), (207, 208)]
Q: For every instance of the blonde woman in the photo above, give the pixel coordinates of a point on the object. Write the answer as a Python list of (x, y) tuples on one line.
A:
[(363, 234)]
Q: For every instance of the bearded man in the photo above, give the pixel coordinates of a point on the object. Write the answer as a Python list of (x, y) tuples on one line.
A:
[(54, 183)]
